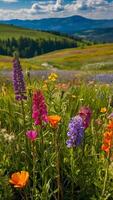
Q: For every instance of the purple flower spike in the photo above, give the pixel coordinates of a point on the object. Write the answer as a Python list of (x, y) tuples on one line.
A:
[(75, 132), (18, 81)]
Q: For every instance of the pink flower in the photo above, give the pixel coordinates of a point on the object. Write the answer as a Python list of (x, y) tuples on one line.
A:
[(39, 108), (85, 113), (31, 134)]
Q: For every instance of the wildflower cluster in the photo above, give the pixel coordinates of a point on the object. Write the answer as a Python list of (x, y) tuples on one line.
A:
[(108, 137), (77, 126)]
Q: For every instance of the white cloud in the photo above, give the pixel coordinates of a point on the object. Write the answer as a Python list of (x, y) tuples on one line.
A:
[(58, 6), (42, 9), (9, 1), (50, 7), (88, 4)]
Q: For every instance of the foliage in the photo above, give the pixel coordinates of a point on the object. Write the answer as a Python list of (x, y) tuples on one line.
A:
[(81, 172), (28, 47)]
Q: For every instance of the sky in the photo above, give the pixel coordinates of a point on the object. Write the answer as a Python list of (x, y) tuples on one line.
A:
[(38, 9)]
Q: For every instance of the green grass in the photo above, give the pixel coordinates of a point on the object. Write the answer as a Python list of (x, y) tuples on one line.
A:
[(95, 57), (82, 172), (10, 31)]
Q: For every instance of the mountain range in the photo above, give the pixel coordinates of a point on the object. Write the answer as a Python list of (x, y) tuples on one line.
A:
[(70, 25)]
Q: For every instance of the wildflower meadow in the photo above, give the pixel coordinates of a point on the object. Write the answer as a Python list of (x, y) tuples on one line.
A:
[(56, 139)]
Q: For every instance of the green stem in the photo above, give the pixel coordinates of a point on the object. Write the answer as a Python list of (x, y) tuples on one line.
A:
[(105, 177), (34, 164), (23, 113), (59, 183), (72, 168)]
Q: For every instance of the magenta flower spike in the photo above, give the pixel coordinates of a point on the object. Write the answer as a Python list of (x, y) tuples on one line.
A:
[(39, 108)]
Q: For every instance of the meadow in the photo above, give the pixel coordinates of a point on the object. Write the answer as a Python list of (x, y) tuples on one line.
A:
[(91, 58), (55, 139)]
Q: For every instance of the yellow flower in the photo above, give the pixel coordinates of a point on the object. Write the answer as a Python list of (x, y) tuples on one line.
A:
[(103, 110), (52, 77)]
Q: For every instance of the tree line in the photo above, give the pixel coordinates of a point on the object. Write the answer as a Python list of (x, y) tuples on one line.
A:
[(28, 47)]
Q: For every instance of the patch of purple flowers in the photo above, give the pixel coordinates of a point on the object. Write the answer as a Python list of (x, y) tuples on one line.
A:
[(77, 126), (75, 132), (18, 81)]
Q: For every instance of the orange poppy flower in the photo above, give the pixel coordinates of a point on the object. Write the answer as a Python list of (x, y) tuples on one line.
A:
[(110, 125), (19, 179), (54, 120), (108, 135), (105, 148)]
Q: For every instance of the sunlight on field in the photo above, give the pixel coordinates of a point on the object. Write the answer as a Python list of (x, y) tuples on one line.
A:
[(96, 57)]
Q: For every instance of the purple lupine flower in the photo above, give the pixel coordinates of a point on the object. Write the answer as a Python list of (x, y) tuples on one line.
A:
[(85, 113), (75, 132), (39, 108), (18, 81)]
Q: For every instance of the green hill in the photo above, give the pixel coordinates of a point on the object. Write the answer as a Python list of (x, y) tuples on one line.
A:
[(10, 31), (95, 57), (30, 43)]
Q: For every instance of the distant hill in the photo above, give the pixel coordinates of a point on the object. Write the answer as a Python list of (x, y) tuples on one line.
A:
[(97, 35), (30, 43), (69, 25)]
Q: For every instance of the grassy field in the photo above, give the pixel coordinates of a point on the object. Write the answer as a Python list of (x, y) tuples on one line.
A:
[(95, 57), (45, 168), (87, 58)]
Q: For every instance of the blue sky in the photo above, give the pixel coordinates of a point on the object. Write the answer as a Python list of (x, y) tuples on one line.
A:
[(37, 9)]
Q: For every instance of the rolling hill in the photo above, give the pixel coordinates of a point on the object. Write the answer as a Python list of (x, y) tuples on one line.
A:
[(30, 43), (11, 31), (95, 57)]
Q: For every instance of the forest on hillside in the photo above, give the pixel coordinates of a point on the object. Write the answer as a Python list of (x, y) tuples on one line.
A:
[(28, 47)]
